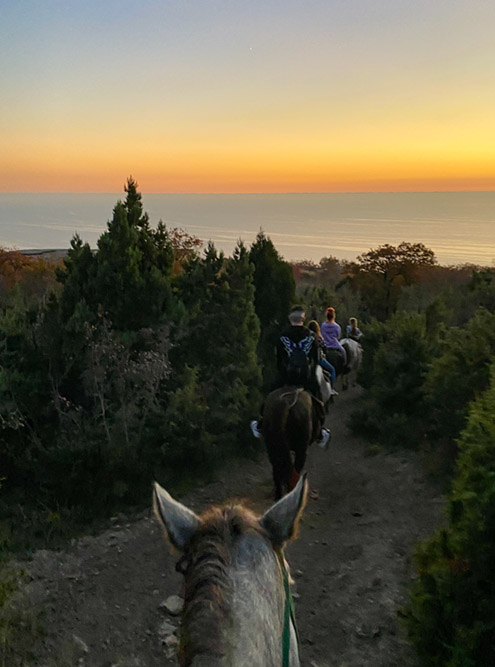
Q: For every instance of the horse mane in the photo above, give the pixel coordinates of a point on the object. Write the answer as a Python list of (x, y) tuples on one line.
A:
[(208, 589)]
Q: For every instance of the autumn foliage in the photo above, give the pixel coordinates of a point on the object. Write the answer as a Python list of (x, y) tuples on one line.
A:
[(34, 273)]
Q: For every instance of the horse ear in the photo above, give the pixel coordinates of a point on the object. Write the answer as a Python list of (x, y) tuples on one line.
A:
[(282, 519), (180, 523)]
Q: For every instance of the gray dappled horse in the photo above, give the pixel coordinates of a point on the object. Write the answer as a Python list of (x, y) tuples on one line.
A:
[(237, 607), (288, 426), (354, 353)]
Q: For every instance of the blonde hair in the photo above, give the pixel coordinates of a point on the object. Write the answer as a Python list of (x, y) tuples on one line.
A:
[(315, 327)]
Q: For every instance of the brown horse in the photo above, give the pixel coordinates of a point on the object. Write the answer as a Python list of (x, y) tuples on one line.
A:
[(237, 607), (288, 426)]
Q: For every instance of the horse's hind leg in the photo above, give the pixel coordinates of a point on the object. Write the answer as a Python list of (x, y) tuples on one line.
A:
[(300, 458), (301, 432), (282, 470)]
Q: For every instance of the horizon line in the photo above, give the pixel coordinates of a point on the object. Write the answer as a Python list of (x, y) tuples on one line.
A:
[(301, 192)]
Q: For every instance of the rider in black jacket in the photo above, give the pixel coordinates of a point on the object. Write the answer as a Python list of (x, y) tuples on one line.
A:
[(296, 333)]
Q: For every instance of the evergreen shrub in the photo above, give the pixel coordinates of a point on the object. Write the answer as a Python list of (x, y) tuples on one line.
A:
[(451, 614), (274, 294), (396, 357), (459, 372), (132, 371)]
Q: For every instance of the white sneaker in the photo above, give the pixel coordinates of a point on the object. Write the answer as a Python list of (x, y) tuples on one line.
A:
[(333, 392), (325, 439), (254, 429)]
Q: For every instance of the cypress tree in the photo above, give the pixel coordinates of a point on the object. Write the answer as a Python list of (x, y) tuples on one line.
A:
[(219, 340), (134, 266), (274, 294), (127, 278), (273, 281)]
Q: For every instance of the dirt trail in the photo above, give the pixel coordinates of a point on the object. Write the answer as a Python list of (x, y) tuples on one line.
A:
[(100, 600)]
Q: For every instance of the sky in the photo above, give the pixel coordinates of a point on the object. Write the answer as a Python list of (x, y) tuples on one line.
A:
[(247, 95)]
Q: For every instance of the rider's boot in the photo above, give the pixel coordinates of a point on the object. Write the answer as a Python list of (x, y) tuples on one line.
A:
[(324, 440), (256, 428)]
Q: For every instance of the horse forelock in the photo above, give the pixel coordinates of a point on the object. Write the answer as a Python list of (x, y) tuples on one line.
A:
[(208, 586)]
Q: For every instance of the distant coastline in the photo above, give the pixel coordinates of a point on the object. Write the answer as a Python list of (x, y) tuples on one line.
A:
[(50, 254), (458, 226)]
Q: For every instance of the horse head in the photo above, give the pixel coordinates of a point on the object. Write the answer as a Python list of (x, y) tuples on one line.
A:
[(236, 581)]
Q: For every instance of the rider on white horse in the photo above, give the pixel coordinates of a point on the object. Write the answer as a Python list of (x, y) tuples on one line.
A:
[(331, 332), (352, 330)]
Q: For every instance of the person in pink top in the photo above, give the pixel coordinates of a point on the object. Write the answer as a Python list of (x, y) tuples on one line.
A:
[(331, 333)]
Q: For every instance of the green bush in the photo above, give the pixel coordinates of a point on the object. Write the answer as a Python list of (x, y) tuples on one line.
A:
[(186, 437), (459, 372), (396, 356), (451, 614), (376, 334), (420, 381)]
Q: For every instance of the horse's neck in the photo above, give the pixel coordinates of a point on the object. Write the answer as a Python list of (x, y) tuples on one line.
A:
[(249, 621), (257, 612)]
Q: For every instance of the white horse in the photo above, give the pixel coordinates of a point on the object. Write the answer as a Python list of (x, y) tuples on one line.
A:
[(238, 604), (324, 383), (354, 353)]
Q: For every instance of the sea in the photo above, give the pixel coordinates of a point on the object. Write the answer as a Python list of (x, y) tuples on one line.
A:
[(458, 226)]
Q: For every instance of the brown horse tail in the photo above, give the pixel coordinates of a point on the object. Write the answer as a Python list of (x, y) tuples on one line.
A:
[(277, 444)]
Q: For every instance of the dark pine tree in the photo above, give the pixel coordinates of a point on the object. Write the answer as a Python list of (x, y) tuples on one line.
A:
[(134, 266), (219, 340), (274, 294)]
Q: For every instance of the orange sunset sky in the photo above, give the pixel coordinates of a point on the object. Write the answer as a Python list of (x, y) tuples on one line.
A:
[(247, 96)]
